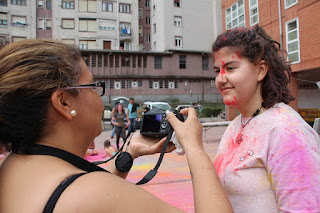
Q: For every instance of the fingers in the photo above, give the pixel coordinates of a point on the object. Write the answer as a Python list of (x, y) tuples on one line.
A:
[(189, 111), (173, 120)]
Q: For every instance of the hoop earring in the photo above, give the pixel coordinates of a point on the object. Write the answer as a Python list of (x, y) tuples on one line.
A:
[(73, 113)]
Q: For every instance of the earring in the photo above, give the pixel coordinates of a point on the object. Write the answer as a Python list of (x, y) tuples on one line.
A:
[(73, 113)]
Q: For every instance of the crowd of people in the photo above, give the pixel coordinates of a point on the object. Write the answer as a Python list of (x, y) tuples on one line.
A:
[(268, 158)]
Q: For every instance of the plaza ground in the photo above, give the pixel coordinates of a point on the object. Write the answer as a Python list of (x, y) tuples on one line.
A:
[(172, 184)]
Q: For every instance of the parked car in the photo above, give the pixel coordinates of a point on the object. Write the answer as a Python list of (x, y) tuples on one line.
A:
[(159, 105), (107, 113), (180, 107)]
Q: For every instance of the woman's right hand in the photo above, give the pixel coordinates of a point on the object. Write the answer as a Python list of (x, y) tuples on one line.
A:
[(188, 133)]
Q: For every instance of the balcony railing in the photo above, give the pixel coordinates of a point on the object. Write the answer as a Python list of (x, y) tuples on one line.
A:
[(18, 24)]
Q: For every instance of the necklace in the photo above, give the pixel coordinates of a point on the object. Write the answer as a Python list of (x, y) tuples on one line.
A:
[(240, 135)]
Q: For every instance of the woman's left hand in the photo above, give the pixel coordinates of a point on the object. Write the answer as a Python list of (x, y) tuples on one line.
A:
[(141, 145)]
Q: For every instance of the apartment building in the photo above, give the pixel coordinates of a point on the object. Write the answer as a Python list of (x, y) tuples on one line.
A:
[(17, 20), (294, 24), (182, 76), (147, 49), (184, 25), (91, 24)]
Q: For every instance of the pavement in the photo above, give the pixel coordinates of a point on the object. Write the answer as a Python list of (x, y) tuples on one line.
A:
[(172, 183)]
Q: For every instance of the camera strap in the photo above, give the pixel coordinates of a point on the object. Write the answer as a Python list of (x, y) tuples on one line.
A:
[(154, 171), (37, 149)]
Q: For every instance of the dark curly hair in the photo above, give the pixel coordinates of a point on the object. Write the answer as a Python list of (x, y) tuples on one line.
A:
[(256, 45), (30, 71)]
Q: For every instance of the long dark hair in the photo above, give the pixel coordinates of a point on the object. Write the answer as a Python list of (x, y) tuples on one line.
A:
[(256, 45)]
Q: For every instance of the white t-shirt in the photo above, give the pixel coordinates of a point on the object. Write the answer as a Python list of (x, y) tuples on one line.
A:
[(276, 167)]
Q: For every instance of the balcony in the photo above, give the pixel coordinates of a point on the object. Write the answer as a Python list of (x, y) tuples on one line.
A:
[(18, 24)]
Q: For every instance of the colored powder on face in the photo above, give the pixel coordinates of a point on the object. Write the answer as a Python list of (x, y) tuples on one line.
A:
[(239, 55), (222, 72)]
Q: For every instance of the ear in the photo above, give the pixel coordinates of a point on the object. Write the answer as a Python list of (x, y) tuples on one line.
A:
[(262, 70), (62, 103)]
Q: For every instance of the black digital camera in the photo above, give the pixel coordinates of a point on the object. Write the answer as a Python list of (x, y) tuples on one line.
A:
[(155, 123)]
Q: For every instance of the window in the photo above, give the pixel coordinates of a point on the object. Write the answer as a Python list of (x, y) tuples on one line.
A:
[(124, 8), (144, 61), (44, 24), (177, 21), (235, 15), (123, 84), (166, 84), (158, 62), (68, 4), (290, 3), (125, 29), (148, 38), (18, 2), (178, 41), (93, 60), (154, 10), (68, 41), (3, 3), (205, 62), (177, 3), (116, 60), (154, 28), (107, 25), (182, 61), (19, 21), (155, 85), (99, 60), (125, 45), (117, 85), (140, 13), (148, 20), (125, 61), (48, 4), (44, 4), (134, 64), (147, 3), (140, 31), (87, 6), (292, 34), (87, 25), (111, 84), (254, 14), (67, 23), (134, 84), (107, 6), (139, 83), (87, 44), (171, 85), (3, 19), (150, 84)]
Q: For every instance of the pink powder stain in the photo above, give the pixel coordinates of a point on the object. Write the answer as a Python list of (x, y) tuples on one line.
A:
[(233, 57), (239, 55), (222, 72), (227, 102)]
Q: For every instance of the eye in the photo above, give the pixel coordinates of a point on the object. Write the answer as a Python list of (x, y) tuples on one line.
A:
[(217, 70), (230, 68)]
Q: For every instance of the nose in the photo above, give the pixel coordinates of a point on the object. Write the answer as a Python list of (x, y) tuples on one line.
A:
[(221, 78)]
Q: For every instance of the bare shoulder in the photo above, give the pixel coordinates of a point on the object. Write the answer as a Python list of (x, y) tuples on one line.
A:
[(105, 192)]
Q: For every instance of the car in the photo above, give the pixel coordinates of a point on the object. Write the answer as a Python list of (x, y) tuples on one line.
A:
[(180, 107), (107, 113), (158, 105)]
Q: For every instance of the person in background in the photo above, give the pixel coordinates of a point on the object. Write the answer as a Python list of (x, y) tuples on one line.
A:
[(118, 120), (268, 158), (91, 150), (133, 114), (114, 109), (109, 149), (145, 108)]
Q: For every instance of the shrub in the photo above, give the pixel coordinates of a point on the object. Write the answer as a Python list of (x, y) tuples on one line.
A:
[(210, 111)]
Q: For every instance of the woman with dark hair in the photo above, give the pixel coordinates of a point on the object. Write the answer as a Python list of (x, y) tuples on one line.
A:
[(50, 112), (118, 121), (268, 158)]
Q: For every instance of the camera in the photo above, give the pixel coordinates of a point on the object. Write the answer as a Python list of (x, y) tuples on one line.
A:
[(155, 123)]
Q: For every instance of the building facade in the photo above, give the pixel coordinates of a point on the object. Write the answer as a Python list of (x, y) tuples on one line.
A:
[(294, 24), (147, 49)]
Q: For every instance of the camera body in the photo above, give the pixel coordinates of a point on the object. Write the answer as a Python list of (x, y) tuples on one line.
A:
[(155, 123)]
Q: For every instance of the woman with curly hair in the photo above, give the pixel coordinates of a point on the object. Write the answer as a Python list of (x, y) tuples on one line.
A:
[(268, 158)]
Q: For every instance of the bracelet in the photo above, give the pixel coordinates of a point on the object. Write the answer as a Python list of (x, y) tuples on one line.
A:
[(124, 162)]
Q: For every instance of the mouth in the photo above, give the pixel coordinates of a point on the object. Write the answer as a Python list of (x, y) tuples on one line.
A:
[(226, 89)]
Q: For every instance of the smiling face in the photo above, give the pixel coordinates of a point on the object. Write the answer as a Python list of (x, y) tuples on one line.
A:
[(237, 79)]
